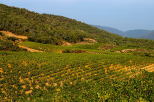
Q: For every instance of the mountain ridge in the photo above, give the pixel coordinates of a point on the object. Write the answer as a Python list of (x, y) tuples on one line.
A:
[(135, 33)]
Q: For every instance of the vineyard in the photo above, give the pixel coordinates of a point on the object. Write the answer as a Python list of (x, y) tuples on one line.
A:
[(49, 58), (79, 72), (49, 76)]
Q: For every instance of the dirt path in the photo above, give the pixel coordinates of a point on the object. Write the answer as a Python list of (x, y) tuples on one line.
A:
[(29, 49), (9, 34), (14, 35)]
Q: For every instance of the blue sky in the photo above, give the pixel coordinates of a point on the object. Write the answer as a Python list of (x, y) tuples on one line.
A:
[(121, 14)]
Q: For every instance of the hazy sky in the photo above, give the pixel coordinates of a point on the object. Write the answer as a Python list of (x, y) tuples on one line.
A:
[(121, 14)]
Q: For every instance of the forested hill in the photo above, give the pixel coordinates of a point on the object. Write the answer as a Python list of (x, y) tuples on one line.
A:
[(46, 28)]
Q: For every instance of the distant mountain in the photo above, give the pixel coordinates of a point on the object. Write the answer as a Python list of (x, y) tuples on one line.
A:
[(137, 33), (149, 36), (112, 30)]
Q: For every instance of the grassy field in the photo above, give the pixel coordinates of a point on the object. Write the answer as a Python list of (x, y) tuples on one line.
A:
[(59, 49), (51, 76)]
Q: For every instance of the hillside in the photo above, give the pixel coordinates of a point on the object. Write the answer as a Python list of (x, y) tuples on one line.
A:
[(46, 28)]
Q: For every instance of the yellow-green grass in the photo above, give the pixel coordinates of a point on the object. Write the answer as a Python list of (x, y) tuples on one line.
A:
[(55, 48)]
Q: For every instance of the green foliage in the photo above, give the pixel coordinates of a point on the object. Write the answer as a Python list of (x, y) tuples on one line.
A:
[(12, 39), (1, 34), (47, 77), (136, 43), (8, 45), (46, 28), (73, 51), (59, 49)]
